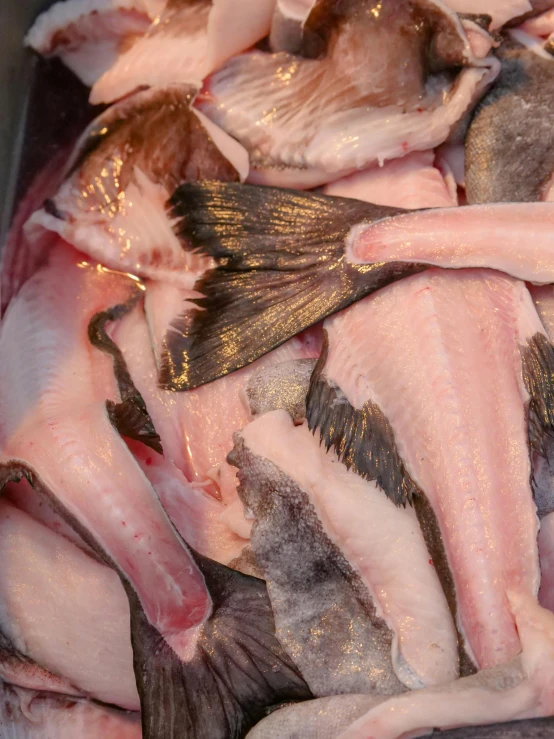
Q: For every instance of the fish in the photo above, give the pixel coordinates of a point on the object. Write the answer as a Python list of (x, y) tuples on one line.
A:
[(520, 689), (89, 35), (412, 182), (509, 141), (112, 203), (287, 25), (303, 256), (29, 714), (325, 718), (188, 40), (191, 422), (302, 116), (322, 718), (500, 12), (82, 634), (357, 600), (193, 508), (192, 645), (463, 332)]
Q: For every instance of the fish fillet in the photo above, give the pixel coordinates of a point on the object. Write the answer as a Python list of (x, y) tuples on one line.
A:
[(190, 39), (382, 543), (127, 163), (457, 410)]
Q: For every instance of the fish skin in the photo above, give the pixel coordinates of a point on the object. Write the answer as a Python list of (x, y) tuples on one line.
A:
[(500, 11), (88, 34), (28, 714), (507, 158), (322, 138), (322, 718), (402, 587), (285, 385), (123, 169), (431, 318), (326, 619), (186, 42), (65, 611), (521, 689), (287, 234), (287, 25)]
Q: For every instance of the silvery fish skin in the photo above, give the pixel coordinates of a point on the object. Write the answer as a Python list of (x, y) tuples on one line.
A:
[(313, 516), (509, 143)]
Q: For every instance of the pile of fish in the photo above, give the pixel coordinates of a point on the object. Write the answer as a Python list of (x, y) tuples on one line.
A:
[(277, 377)]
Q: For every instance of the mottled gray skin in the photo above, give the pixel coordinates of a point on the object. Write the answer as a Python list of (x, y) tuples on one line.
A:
[(323, 718), (285, 385), (510, 142), (324, 615), (326, 718)]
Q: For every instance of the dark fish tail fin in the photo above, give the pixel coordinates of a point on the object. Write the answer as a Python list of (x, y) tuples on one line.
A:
[(281, 268), (235, 674), (363, 439), (538, 376), (130, 416)]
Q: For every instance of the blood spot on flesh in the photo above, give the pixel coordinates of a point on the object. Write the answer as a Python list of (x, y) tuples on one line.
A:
[(148, 461), (431, 563)]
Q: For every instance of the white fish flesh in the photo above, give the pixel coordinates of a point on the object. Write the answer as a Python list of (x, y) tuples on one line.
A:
[(189, 40), (89, 35), (302, 118), (112, 206)]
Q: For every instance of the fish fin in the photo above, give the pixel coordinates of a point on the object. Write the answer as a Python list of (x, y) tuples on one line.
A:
[(363, 439), (281, 269), (538, 377), (236, 673), (130, 416)]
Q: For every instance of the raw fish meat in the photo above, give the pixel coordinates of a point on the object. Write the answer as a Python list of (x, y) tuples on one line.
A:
[(465, 471), (510, 140), (193, 510), (89, 35), (112, 206), (182, 605), (189, 40), (27, 714), (334, 548), (302, 118), (282, 266), (191, 422), (410, 182), (70, 614), (518, 690)]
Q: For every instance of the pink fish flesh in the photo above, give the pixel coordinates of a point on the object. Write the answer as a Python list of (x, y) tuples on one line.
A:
[(89, 35), (302, 117), (410, 182), (65, 610), (462, 332), (197, 441), (188, 41), (49, 319), (112, 206), (26, 714)]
